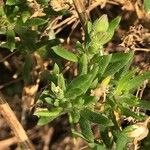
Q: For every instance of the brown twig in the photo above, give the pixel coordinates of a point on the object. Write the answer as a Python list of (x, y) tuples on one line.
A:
[(8, 142), (14, 124), (142, 49), (81, 11), (47, 138)]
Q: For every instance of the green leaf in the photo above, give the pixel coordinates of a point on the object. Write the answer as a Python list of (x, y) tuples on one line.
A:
[(103, 63), (60, 51), (114, 24), (118, 61), (56, 69), (89, 27), (122, 141), (2, 12), (81, 82), (53, 87), (74, 116), (101, 24), (43, 120), (35, 22), (93, 72), (147, 5), (144, 104), (83, 64), (86, 129), (99, 147), (73, 93), (28, 37), (96, 117), (128, 99), (137, 81), (120, 56), (79, 47), (27, 67), (98, 40), (46, 115), (113, 68), (61, 82), (25, 15), (128, 113), (42, 1), (122, 82), (11, 39), (104, 132), (12, 2)]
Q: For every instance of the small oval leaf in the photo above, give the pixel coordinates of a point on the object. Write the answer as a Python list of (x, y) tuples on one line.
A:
[(60, 51)]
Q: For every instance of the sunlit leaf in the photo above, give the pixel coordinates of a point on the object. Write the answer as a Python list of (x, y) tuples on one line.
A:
[(86, 129), (96, 117), (60, 51)]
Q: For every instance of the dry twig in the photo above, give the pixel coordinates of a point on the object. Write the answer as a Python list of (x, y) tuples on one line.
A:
[(14, 124)]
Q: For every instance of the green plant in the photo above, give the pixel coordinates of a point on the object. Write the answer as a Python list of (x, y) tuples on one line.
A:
[(102, 93), (24, 28)]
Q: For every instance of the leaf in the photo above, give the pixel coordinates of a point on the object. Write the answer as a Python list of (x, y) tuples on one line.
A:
[(74, 116), (79, 47), (83, 64), (120, 56), (114, 24), (11, 39), (47, 116), (101, 24), (128, 113), (113, 68), (96, 117), (118, 61), (86, 129), (122, 82), (93, 72), (25, 15), (79, 81), (104, 132), (99, 147), (73, 93), (89, 27), (129, 99), (144, 104), (28, 37), (147, 5), (61, 82), (60, 51), (137, 81), (54, 112), (56, 69), (43, 120), (98, 40), (35, 22), (42, 1), (12, 2), (122, 141), (81, 84), (103, 63)]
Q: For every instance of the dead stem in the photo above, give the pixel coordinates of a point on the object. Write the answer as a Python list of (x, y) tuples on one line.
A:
[(81, 11), (14, 124), (8, 142)]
